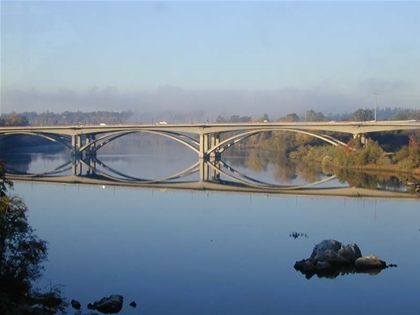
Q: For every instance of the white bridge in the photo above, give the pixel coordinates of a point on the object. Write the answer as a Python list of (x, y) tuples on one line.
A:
[(204, 139)]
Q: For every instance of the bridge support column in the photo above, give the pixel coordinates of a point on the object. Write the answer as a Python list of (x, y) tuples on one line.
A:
[(203, 147), (214, 141), (204, 171), (76, 167), (90, 150), (90, 165), (76, 142), (207, 142), (216, 172), (361, 138)]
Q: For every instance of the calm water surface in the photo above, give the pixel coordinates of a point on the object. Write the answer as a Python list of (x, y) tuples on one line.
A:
[(184, 252)]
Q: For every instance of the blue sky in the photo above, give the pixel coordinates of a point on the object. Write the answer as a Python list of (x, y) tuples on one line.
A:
[(246, 56)]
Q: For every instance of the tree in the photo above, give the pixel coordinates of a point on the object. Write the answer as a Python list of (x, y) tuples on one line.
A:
[(17, 120), (4, 183), (265, 117), (21, 255), (291, 117), (21, 251), (362, 115), (311, 115), (234, 118)]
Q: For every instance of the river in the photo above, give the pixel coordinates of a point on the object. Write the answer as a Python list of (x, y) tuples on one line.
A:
[(209, 252)]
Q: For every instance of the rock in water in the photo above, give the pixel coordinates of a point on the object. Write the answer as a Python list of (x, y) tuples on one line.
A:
[(331, 258), (75, 304), (350, 252), (109, 305), (369, 262), (326, 245)]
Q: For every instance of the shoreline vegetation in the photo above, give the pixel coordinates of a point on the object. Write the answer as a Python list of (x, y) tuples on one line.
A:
[(22, 254), (371, 156)]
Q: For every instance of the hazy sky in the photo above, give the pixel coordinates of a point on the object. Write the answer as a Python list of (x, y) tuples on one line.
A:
[(236, 57)]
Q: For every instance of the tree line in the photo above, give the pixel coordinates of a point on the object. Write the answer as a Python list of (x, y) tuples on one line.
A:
[(110, 117), (65, 118)]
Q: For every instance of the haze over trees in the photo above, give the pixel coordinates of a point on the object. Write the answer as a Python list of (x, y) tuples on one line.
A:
[(95, 118), (65, 118)]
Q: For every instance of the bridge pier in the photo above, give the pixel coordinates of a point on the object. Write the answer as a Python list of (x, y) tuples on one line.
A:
[(207, 142), (215, 140), (216, 172), (204, 171), (361, 137), (76, 168), (91, 149), (75, 144)]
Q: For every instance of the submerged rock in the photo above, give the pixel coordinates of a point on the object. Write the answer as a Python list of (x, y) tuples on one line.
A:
[(331, 258), (109, 305)]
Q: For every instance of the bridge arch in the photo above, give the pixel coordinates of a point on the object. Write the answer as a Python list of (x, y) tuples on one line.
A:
[(225, 144), (183, 139), (52, 137)]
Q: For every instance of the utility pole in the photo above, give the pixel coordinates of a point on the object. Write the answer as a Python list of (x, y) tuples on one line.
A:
[(376, 102)]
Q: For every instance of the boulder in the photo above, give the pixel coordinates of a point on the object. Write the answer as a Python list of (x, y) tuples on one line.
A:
[(325, 245), (330, 258), (323, 266), (369, 262), (109, 305), (305, 266), (350, 252)]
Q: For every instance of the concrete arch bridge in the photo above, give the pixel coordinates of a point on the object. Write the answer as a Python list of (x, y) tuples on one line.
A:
[(204, 139)]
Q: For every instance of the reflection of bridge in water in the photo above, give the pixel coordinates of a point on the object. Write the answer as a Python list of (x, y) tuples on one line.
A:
[(214, 176)]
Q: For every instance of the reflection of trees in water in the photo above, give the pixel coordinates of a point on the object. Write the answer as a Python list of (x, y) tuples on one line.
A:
[(356, 179), (284, 169), (19, 162), (309, 172), (256, 162), (368, 180)]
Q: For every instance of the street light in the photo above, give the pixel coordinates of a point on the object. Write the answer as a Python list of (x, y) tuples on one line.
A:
[(376, 102)]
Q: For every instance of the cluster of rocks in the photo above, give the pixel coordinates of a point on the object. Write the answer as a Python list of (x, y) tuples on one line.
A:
[(330, 258), (107, 305)]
